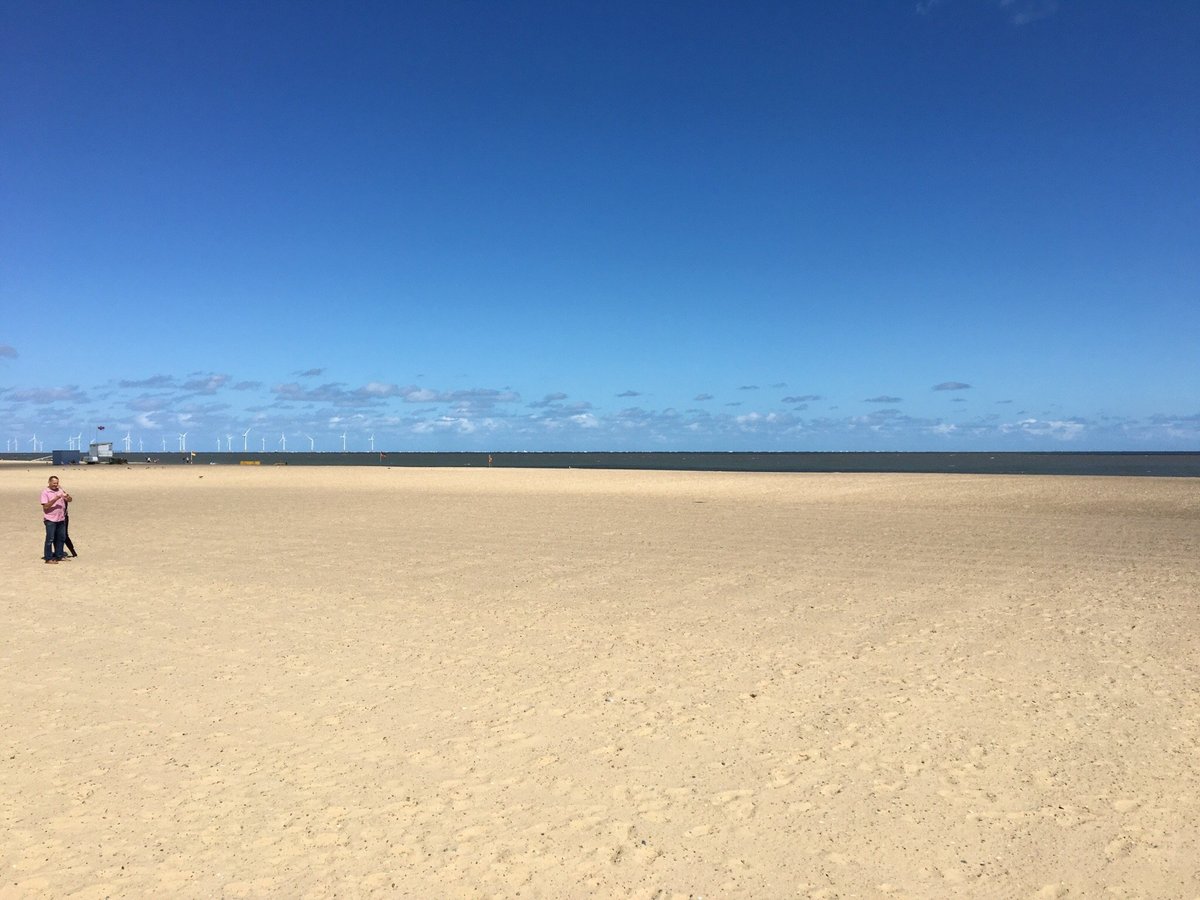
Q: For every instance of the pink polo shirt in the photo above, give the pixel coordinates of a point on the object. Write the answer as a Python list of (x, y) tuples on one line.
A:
[(57, 513)]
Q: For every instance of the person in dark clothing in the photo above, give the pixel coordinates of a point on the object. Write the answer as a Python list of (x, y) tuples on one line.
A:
[(67, 531)]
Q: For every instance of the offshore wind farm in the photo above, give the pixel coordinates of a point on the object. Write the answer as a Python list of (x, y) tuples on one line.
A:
[(337, 452)]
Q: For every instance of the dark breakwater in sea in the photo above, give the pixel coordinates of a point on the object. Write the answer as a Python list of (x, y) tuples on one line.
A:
[(1164, 464)]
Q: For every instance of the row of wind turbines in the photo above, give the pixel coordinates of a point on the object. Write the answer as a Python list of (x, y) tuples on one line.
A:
[(281, 443), (228, 448), (13, 445)]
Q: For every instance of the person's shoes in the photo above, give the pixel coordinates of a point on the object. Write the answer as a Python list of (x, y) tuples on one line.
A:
[(73, 554), (64, 558), (48, 561)]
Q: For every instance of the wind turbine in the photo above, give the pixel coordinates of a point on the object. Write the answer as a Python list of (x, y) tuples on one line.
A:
[(264, 450), (245, 440), (127, 440), (79, 441), (343, 442), (312, 445), (229, 443), (139, 443), (372, 442), (283, 441), (183, 442), (33, 443), (164, 443)]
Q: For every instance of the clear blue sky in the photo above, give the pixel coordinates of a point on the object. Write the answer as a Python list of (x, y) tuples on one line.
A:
[(934, 225)]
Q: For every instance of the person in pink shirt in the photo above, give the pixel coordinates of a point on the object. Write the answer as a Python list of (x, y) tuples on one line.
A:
[(54, 514)]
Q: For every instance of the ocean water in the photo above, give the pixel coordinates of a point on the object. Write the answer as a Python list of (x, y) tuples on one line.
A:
[(1174, 464)]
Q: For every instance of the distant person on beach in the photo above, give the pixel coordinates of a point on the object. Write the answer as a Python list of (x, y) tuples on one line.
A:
[(67, 529), (54, 514)]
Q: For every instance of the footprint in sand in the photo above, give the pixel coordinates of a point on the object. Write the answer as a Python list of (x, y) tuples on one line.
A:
[(1118, 847), (1051, 891), (470, 833), (736, 803)]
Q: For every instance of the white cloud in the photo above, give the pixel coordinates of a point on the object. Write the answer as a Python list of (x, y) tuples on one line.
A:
[(70, 393), (772, 421), (1057, 429), (208, 384), (1022, 12), (420, 395), (379, 389), (1019, 12), (455, 424), (154, 381)]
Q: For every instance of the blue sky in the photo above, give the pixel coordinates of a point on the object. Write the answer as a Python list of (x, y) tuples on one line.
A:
[(934, 225)]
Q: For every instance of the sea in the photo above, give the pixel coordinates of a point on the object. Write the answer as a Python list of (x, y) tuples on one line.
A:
[(1163, 464)]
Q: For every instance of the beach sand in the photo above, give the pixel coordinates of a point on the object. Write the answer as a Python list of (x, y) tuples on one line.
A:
[(283, 682)]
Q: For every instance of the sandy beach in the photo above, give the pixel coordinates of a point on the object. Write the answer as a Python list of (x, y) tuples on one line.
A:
[(285, 682)]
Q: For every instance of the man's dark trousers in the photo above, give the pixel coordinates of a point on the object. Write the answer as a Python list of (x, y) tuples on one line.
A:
[(56, 533)]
